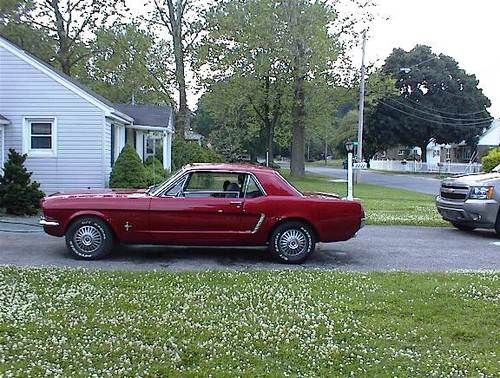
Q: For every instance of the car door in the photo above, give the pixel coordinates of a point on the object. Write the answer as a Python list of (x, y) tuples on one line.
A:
[(201, 212)]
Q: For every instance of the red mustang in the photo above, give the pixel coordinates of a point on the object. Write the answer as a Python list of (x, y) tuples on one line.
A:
[(204, 205)]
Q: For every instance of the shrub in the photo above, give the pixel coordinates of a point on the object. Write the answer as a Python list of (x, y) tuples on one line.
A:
[(491, 160), (128, 171), (155, 173), (18, 194), (185, 152)]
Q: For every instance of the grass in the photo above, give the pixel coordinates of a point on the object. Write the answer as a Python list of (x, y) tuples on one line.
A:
[(382, 205), (56, 322)]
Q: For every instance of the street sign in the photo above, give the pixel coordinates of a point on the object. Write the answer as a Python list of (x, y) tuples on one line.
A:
[(360, 166)]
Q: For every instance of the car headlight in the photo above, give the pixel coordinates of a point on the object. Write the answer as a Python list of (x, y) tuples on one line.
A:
[(481, 192)]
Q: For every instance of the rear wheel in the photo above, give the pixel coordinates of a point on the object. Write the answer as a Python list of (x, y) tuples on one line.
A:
[(463, 227), (292, 242), (89, 238)]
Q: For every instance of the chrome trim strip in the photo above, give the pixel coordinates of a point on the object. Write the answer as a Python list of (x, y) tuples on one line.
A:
[(47, 223), (259, 223)]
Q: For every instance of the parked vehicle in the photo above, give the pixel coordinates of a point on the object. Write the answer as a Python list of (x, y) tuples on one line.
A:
[(471, 201), (204, 205)]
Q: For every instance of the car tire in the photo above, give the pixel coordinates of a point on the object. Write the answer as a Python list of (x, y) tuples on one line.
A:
[(463, 227), (292, 242), (89, 238)]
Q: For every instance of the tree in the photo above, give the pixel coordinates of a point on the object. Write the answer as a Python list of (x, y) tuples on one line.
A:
[(70, 24), (18, 194), (313, 51), (244, 47), (436, 100), (128, 171), (182, 19), (29, 38), (129, 63)]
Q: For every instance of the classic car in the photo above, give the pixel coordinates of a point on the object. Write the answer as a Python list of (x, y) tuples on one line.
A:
[(471, 201), (204, 205)]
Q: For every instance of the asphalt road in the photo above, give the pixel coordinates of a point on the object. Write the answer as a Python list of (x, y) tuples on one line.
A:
[(427, 185), (377, 248)]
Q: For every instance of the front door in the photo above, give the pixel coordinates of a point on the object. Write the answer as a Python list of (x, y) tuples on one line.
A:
[(207, 210)]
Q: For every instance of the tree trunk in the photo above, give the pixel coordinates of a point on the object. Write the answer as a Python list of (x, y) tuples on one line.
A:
[(175, 19), (297, 163), (424, 151), (270, 139)]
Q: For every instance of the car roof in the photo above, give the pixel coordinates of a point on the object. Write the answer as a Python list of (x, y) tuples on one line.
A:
[(228, 167)]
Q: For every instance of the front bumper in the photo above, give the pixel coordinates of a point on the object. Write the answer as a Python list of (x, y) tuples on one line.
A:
[(479, 213)]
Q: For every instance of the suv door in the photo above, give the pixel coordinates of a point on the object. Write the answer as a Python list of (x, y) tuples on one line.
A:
[(204, 209)]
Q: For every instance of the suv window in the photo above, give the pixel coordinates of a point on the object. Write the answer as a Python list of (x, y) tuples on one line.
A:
[(215, 184)]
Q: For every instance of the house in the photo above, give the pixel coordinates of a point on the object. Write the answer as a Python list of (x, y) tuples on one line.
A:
[(72, 136), (490, 139), (193, 136)]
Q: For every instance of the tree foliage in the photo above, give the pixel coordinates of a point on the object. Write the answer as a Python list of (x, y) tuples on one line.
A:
[(129, 62), (69, 24), (436, 100), (19, 195), (491, 160)]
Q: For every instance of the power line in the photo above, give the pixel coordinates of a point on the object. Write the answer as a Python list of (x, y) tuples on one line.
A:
[(434, 121), (444, 117), (443, 111)]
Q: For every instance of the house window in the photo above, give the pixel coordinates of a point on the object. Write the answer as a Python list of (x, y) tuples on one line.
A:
[(40, 137)]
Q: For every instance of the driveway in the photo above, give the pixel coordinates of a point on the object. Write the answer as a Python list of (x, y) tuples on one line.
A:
[(427, 185), (377, 248)]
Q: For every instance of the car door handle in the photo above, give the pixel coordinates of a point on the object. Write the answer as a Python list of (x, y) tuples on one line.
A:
[(236, 203)]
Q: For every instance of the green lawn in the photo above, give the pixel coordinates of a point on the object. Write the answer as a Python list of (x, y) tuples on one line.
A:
[(336, 163), (274, 323), (382, 205)]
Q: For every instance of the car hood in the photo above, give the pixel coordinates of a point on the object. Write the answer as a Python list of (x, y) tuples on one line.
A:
[(99, 193), (474, 179)]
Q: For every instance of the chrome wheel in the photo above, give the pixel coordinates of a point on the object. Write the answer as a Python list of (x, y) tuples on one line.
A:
[(293, 242), (88, 239)]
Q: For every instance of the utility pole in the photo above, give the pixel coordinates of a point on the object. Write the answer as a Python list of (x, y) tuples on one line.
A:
[(361, 101)]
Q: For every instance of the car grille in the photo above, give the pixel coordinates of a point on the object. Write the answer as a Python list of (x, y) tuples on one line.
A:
[(454, 192)]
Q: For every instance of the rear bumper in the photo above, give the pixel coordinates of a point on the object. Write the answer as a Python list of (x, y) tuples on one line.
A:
[(478, 213)]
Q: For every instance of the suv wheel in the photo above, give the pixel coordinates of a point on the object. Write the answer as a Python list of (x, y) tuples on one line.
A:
[(463, 227), (292, 242), (89, 238)]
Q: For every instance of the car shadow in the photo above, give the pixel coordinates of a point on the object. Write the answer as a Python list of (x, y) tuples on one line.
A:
[(179, 257)]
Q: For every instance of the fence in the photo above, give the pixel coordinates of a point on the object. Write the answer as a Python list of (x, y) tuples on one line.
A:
[(418, 166)]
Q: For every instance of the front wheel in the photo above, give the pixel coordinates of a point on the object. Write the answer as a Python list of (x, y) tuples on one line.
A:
[(89, 238), (292, 242)]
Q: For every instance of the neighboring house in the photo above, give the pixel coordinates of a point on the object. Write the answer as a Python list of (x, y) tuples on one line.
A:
[(490, 139), (72, 136), (193, 136)]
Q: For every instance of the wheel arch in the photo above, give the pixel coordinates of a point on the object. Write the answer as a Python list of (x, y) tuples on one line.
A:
[(298, 220), (90, 214)]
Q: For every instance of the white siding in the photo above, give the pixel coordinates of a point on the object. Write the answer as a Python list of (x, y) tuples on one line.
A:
[(25, 91)]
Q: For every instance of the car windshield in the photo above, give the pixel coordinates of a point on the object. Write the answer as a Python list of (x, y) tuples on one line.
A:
[(154, 189)]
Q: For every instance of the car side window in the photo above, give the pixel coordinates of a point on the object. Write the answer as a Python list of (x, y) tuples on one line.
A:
[(252, 190), (214, 184), (176, 189)]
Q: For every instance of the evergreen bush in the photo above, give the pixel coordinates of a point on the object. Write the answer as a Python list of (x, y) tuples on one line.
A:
[(128, 171), (155, 173), (491, 160), (18, 194)]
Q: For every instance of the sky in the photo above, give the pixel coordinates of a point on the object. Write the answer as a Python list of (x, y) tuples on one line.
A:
[(468, 31)]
